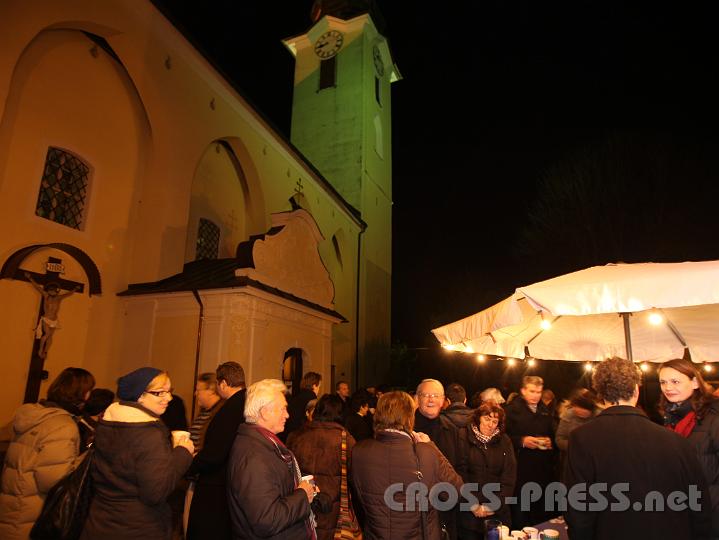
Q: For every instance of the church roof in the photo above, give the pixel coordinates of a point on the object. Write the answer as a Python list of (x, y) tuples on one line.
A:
[(209, 274)]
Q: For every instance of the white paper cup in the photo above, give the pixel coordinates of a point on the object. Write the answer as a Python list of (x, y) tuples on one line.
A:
[(531, 532), (550, 534), (178, 436)]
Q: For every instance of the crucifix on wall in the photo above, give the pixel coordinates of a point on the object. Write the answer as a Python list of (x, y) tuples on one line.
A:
[(54, 290)]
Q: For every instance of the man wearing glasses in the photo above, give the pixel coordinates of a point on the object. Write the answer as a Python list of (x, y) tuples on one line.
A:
[(442, 432)]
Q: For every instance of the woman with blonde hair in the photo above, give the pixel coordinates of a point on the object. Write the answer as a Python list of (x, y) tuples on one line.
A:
[(136, 466), (398, 456)]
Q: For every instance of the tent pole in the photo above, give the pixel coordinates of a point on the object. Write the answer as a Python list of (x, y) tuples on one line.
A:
[(627, 336)]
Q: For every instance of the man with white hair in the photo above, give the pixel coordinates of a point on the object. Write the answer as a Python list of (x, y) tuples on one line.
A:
[(442, 432), (267, 497)]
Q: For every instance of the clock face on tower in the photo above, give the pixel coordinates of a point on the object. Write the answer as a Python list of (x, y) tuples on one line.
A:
[(329, 44), (378, 64)]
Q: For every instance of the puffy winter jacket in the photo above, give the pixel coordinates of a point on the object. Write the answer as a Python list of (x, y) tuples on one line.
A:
[(134, 471), (43, 449)]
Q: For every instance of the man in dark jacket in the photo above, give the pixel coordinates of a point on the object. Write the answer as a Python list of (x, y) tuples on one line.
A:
[(209, 514), (356, 422), (531, 429), (442, 432), (458, 412), (309, 390), (265, 492), (621, 447)]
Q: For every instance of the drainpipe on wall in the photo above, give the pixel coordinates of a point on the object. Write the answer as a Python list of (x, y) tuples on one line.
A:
[(197, 347), (357, 308)]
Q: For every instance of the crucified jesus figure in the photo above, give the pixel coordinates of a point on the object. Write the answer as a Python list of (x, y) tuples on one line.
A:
[(51, 298)]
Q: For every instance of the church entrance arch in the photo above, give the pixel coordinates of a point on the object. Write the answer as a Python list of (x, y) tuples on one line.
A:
[(292, 370)]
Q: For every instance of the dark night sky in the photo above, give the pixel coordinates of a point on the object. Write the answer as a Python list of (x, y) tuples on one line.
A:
[(500, 99)]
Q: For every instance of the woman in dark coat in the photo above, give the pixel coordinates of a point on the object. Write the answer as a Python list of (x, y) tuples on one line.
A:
[(136, 467), (489, 458), (396, 458), (690, 409), (317, 447)]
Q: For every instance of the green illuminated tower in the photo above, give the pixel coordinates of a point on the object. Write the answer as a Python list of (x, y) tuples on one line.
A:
[(341, 121)]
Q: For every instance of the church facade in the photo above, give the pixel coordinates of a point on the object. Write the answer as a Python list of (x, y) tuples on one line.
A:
[(178, 227)]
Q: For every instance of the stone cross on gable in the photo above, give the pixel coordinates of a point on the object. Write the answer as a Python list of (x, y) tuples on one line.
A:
[(53, 289)]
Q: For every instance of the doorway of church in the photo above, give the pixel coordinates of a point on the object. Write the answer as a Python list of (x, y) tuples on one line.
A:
[(292, 370)]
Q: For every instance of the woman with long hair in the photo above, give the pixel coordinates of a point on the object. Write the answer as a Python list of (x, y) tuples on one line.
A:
[(690, 409), (137, 464), (44, 448), (397, 459)]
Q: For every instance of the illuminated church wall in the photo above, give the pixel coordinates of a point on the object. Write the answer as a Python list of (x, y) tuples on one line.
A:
[(148, 124)]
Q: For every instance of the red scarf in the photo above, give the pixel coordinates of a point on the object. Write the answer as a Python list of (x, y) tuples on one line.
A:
[(685, 426), (289, 458)]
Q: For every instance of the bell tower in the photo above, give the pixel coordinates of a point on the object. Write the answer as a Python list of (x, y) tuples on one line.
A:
[(341, 122)]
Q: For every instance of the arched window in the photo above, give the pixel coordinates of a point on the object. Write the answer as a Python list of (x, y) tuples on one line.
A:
[(63, 189), (208, 240)]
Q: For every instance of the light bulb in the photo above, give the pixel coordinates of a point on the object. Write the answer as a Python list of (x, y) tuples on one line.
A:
[(655, 318), (531, 362), (511, 362), (545, 324), (708, 368), (588, 366), (644, 366), (480, 358)]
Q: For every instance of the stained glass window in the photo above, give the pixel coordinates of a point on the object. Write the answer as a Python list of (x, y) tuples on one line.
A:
[(63, 188)]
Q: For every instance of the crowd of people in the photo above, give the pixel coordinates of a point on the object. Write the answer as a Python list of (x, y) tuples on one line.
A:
[(257, 462)]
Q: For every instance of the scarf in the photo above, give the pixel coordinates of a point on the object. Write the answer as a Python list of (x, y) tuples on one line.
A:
[(680, 418), (290, 461), (484, 439)]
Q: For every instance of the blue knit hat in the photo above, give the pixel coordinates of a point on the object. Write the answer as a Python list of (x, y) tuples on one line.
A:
[(131, 386)]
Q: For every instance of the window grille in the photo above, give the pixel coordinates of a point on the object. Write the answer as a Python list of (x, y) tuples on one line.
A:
[(63, 188), (208, 240)]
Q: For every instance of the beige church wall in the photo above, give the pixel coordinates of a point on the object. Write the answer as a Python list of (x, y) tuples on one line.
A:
[(143, 127), (97, 118), (245, 325), (173, 349), (265, 327)]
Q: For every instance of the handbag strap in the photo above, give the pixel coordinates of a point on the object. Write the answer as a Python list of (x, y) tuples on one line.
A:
[(422, 515)]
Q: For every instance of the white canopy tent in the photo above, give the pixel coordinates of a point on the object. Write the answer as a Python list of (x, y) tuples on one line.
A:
[(648, 312)]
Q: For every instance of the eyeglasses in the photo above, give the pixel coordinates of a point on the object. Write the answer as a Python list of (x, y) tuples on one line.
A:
[(160, 393), (428, 396)]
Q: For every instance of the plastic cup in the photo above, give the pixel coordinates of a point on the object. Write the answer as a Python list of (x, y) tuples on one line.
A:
[(178, 436)]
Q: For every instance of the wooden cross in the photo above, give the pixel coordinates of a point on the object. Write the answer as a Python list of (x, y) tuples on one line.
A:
[(49, 280)]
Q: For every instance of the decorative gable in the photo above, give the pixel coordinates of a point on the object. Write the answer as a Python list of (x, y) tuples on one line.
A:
[(287, 258)]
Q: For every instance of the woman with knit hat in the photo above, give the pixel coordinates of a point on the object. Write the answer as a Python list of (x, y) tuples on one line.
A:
[(136, 466)]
